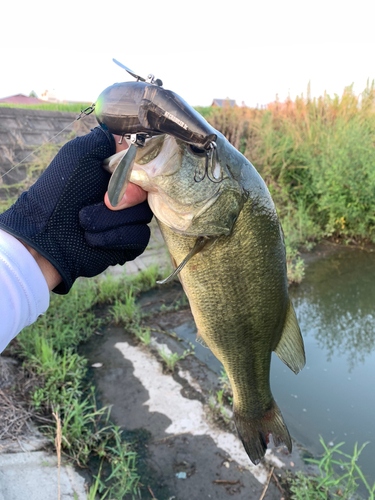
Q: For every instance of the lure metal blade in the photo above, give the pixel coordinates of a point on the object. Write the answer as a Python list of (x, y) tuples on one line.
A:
[(120, 177)]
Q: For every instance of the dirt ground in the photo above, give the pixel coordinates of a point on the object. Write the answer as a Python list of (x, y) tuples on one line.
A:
[(176, 465)]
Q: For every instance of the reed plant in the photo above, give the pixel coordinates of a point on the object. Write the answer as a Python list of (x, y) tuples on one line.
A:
[(317, 156), (338, 476)]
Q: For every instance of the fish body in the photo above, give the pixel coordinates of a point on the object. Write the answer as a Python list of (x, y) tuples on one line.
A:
[(236, 282)]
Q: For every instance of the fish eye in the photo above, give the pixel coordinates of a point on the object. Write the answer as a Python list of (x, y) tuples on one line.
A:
[(197, 151)]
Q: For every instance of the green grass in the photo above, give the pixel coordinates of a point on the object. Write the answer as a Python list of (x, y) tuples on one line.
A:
[(127, 310), (51, 106), (330, 483), (218, 407), (123, 473), (142, 334), (49, 351), (224, 382), (171, 358)]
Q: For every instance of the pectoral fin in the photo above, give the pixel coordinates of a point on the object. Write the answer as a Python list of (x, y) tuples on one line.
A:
[(290, 347)]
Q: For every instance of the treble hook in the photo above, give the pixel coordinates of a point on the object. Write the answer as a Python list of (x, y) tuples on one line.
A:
[(198, 176), (210, 158)]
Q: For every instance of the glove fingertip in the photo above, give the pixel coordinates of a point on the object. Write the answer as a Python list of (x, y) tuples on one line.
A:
[(97, 218)]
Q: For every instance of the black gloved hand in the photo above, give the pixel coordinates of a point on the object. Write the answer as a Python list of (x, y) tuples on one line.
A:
[(63, 218)]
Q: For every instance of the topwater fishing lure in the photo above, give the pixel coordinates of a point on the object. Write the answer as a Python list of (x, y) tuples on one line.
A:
[(142, 109)]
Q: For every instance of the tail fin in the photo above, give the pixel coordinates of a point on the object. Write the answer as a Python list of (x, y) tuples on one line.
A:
[(254, 433)]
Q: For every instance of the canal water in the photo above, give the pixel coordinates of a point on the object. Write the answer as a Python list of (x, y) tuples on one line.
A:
[(334, 395)]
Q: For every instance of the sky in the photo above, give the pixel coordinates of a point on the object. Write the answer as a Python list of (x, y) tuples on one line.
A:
[(243, 50)]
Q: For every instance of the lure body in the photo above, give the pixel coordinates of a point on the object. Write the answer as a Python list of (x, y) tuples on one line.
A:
[(142, 108)]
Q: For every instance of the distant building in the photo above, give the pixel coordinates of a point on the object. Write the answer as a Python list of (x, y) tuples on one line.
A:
[(49, 96), (221, 103), (21, 99)]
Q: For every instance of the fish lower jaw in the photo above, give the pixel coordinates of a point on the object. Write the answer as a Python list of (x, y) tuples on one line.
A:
[(179, 222), (139, 176)]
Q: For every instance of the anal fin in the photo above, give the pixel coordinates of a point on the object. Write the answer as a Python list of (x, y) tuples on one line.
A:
[(290, 348), (200, 341)]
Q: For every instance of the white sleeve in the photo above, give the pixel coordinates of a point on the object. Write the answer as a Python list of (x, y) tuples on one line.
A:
[(24, 293)]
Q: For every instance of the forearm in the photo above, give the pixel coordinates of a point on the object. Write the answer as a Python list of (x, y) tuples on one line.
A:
[(23, 289)]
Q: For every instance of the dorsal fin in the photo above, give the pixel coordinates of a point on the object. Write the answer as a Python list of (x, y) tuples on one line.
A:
[(290, 347)]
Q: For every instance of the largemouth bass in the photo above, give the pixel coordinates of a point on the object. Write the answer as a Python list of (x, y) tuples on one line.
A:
[(223, 235)]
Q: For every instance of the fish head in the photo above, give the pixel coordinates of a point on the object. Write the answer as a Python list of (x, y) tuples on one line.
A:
[(180, 195)]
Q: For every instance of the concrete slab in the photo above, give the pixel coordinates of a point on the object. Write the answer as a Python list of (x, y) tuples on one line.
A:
[(184, 453), (35, 476)]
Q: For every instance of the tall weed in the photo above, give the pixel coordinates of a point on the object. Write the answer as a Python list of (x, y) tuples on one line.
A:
[(339, 477), (317, 157), (48, 348)]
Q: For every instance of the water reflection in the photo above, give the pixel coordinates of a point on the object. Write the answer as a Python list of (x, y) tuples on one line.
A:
[(336, 304)]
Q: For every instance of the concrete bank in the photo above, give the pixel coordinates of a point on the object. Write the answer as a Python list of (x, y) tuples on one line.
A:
[(184, 453), (22, 130)]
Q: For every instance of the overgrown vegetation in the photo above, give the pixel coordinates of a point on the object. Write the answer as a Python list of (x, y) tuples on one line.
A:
[(330, 483), (49, 351), (317, 157)]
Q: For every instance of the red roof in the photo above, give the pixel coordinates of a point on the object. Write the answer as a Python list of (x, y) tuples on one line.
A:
[(21, 99)]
